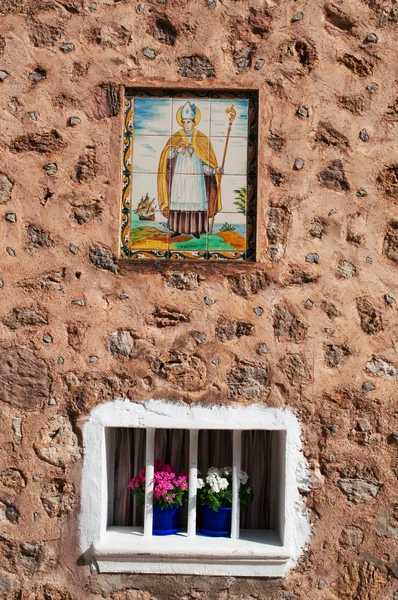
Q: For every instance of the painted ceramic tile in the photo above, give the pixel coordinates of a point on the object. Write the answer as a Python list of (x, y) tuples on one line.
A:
[(149, 228), (152, 116), (188, 109), (236, 155), (229, 115), (149, 153), (228, 234), (234, 194)]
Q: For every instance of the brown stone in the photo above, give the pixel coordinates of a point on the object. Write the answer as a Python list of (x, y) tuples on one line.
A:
[(76, 335), (334, 354), (34, 557), (109, 36), (354, 104), (249, 283), (38, 237), (25, 380), (329, 136), (25, 317), (86, 168), (358, 66), (277, 178), (351, 537), (387, 180), (2, 44), (56, 443), (186, 372), (302, 52), (295, 368), (299, 276), (44, 35), (13, 479), (334, 177), (386, 10), (338, 18), (168, 317), (107, 98), (51, 281), (86, 391), (277, 230), (196, 67), (371, 318), (387, 523), (163, 31), (86, 212), (390, 246), (182, 280), (330, 309), (359, 483), (287, 326), (362, 581), (42, 142), (6, 185), (276, 141), (229, 330), (247, 380), (58, 498)]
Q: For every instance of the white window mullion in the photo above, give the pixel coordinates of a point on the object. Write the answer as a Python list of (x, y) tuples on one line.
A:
[(149, 473), (236, 459), (193, 476)]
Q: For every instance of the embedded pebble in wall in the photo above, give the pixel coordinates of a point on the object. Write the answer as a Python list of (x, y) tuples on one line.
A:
[(369, 260), (37, 75), (60, 360), (262, 349), (389, 299), (372, 87), (74, 249), (1, 283), (149, 53), (259, 64), (67, 47), (208, 301), (363, 424), (329, 330), (52, 402), (368, 386), (93, 358), (123, 296), (5, 535), (258, 311), (332, 211), (10, 251), (50, 168), (140, 8), (297, 17), (298, 164), (199, 337), (362, 193), (36, 516), (313, 257), (47, 338), (394, 437), (211, 3), (372, 38), (92, 7), (216, 362), (73, 121), (78, 302), (3, 75), (363, 134), (11, 217), (35, 478), (303, 111), (32, 115), (308, 303), (17, 429), (333, 429)]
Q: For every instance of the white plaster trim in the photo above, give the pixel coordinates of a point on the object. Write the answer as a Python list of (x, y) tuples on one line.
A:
[(116, 551)]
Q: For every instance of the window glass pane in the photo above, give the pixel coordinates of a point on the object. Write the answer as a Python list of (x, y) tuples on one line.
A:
[(257, 463)]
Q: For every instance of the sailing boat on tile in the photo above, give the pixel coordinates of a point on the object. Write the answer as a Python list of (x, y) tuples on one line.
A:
[(146, 209)]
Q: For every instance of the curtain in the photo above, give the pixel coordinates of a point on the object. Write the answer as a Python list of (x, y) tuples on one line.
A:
[(172, 446)]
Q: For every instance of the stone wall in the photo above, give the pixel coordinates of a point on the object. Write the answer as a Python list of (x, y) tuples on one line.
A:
[(315, 319)]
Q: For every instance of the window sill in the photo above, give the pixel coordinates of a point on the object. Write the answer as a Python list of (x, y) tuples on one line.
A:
[(258, 553)]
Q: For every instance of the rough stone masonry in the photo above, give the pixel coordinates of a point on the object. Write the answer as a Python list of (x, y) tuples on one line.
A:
[(79, 327)]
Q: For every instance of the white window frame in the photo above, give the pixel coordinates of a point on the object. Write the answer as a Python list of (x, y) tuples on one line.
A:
[(251, 553)]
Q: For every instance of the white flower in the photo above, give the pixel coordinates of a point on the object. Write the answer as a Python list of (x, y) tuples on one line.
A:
[(244, 477), (226, 471), (216, 482), (200, 483)]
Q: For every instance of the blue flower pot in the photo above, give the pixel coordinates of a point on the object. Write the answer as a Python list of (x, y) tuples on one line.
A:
[(216, 523), (165, 521)]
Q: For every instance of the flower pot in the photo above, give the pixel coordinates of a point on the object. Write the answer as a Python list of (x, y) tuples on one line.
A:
[(165, 521), (216, 523)]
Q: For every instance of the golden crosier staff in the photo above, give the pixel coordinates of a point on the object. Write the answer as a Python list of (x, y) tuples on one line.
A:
[(231, 112)]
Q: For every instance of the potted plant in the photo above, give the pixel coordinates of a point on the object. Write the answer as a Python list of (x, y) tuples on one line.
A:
[(215, 498), (169, 493)]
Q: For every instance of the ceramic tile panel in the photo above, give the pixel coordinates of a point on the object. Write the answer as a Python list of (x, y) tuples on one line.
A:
[(228, 233), (195, 109), (150, 154), (229, 115), (234, 194), (152, 116)]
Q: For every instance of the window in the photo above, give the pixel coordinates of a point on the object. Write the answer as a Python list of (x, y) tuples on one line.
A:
[(189, 175), (265, 540)]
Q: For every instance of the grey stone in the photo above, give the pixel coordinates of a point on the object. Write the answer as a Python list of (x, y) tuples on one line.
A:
[(58, 498), (362, 193), (332, 211), (123, 296), (363, 424), (372, 87), (50, 169), (333, 430), (394, 437), (37, 75), (298, 164), (103, 259), (56, 443), (368, 386), (1, 283), (369, 260), (248, 381), (216, 362), (78, 302), (3, 75), (389, 299), (74, 249), (259, 64), (381, 368), (67, 47), (92, 7), (346, 269), (17, 429), (321, 584), (208, 301), (359, 490), (73, 121), (199, 337), (149, 53), (211, 3), (262, 349), (243, 59), (47, 338), (372, 38), (297, 17), (195, 67), (10, 251), (11, 217), (140, 8), (312, 258), (363, 134), (351, 537), (328, 330), (32, 115), (303, 111), (6, 185), (25, 380), (93, 359), (121, 342), (52, 402), (60, 360), (387, 523), (308, 303), (258, 311)]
